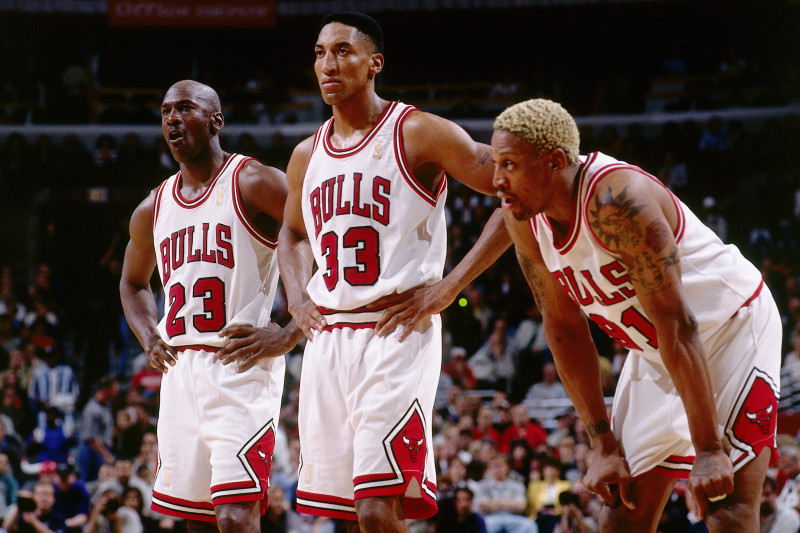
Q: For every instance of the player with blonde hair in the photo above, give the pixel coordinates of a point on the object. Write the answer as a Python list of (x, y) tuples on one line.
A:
[(697, 396)]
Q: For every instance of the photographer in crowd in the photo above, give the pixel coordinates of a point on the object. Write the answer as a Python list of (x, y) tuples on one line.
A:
[(33, 512)]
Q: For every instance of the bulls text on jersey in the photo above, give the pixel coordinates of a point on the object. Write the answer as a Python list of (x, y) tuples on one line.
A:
[(179, 248), (331, 198)]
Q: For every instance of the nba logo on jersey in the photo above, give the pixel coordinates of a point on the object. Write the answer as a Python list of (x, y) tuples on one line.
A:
[(376, 153)]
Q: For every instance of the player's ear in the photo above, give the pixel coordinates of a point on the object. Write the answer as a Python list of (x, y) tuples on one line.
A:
[(375, 65), (217, 121), (558, 159)]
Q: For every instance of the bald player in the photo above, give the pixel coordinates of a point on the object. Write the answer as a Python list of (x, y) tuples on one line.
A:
[(697, 396), (211, 230)]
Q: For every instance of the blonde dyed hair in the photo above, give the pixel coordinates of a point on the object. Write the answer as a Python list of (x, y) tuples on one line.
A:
[(542, 123)]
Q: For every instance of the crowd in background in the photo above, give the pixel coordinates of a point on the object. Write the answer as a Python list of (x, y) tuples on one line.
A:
[(79, 402)]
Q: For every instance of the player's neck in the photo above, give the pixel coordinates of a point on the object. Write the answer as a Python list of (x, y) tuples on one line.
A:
[(356, 117), (198, 173)]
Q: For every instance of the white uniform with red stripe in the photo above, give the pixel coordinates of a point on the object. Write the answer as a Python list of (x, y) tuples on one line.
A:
[(738, 325), (366, 402), (216, 427)]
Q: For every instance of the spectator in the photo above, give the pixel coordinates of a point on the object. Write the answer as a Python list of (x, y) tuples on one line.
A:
[(461, 518), (788, 476), (51, 443), (550, 388), (97, 425), (543, 494), (484, 425), (12, 447), (8, 483), (72, 498), (110, 516), (458, 369), (493, 363), (522, 427), (501, 501), (54, 385), (775, 518), (34, 512)]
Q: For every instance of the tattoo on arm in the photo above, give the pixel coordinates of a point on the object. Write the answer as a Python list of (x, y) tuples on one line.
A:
[(484, 158), (534, 278), (598, 429), (613, 218), (656, 236)]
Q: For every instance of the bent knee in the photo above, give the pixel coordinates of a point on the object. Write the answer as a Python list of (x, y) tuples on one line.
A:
[(733, 516), (620, 518)]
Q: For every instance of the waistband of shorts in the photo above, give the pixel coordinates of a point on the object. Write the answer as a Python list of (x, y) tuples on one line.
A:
[(360, 318), (198, 348), (752, 298)]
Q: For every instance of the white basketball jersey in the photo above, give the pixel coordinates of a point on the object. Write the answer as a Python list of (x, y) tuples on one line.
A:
[(717, 280), (216, 267), (374, 230)]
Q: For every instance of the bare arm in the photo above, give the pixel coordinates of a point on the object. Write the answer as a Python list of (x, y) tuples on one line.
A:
[(434, 145), (577, 361), (295, 257), (420, 303), (263, 191), (138, 301), (641, 233)]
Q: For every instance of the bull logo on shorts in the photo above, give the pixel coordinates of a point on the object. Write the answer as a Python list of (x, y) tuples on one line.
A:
[(259, 454), (755, 419), (407, 443), (761, 417), (414, 445)]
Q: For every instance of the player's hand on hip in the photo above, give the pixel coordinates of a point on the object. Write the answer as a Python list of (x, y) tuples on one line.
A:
[(161, 355), (711, 479), (408, 309), (248, 344), (609, 477), (307, 317)]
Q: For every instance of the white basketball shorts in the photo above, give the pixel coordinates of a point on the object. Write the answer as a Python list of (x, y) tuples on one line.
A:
[(744, 357), (216, 434), (364, 421)]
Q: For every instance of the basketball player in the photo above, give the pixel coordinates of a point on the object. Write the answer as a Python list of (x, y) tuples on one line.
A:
[(366, 202), (697, 396), (211, 229)]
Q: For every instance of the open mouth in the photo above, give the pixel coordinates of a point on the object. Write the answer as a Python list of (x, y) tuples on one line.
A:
[(175, 135)]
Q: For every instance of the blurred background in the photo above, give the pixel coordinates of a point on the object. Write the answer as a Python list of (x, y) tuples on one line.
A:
[(704, 94)]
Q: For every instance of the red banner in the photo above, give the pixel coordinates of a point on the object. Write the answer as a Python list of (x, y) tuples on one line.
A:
[(194, 13)]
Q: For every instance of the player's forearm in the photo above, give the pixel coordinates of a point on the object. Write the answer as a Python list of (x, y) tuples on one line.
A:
[(140, 310), (295, 260), (493, 241), (577, 361), (687, 365)]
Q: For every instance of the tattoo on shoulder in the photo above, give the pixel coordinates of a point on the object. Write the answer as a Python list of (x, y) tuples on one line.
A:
[(598, 429), (613, 218), (484, 158), (646, 272), (656, 236)]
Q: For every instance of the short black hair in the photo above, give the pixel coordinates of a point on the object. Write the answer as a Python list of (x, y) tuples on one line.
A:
[(362, 22)]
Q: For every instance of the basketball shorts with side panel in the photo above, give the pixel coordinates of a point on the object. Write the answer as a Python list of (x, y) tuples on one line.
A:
[(364, 421), (744, 357), (216, 434)]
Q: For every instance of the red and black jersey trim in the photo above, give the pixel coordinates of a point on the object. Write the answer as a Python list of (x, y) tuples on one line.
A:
[(191, 204), (346, 152), (400, 155), (157, 203), (266, 240)]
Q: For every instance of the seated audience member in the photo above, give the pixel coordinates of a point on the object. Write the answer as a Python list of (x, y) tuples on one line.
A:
[(500, 499), (522, 427), (460, 517), (776, 518)]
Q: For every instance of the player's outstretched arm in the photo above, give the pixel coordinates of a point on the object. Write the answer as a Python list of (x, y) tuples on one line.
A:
[(577, 361), (638, 225), (138, 301), (419, 303), (295, 256)]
